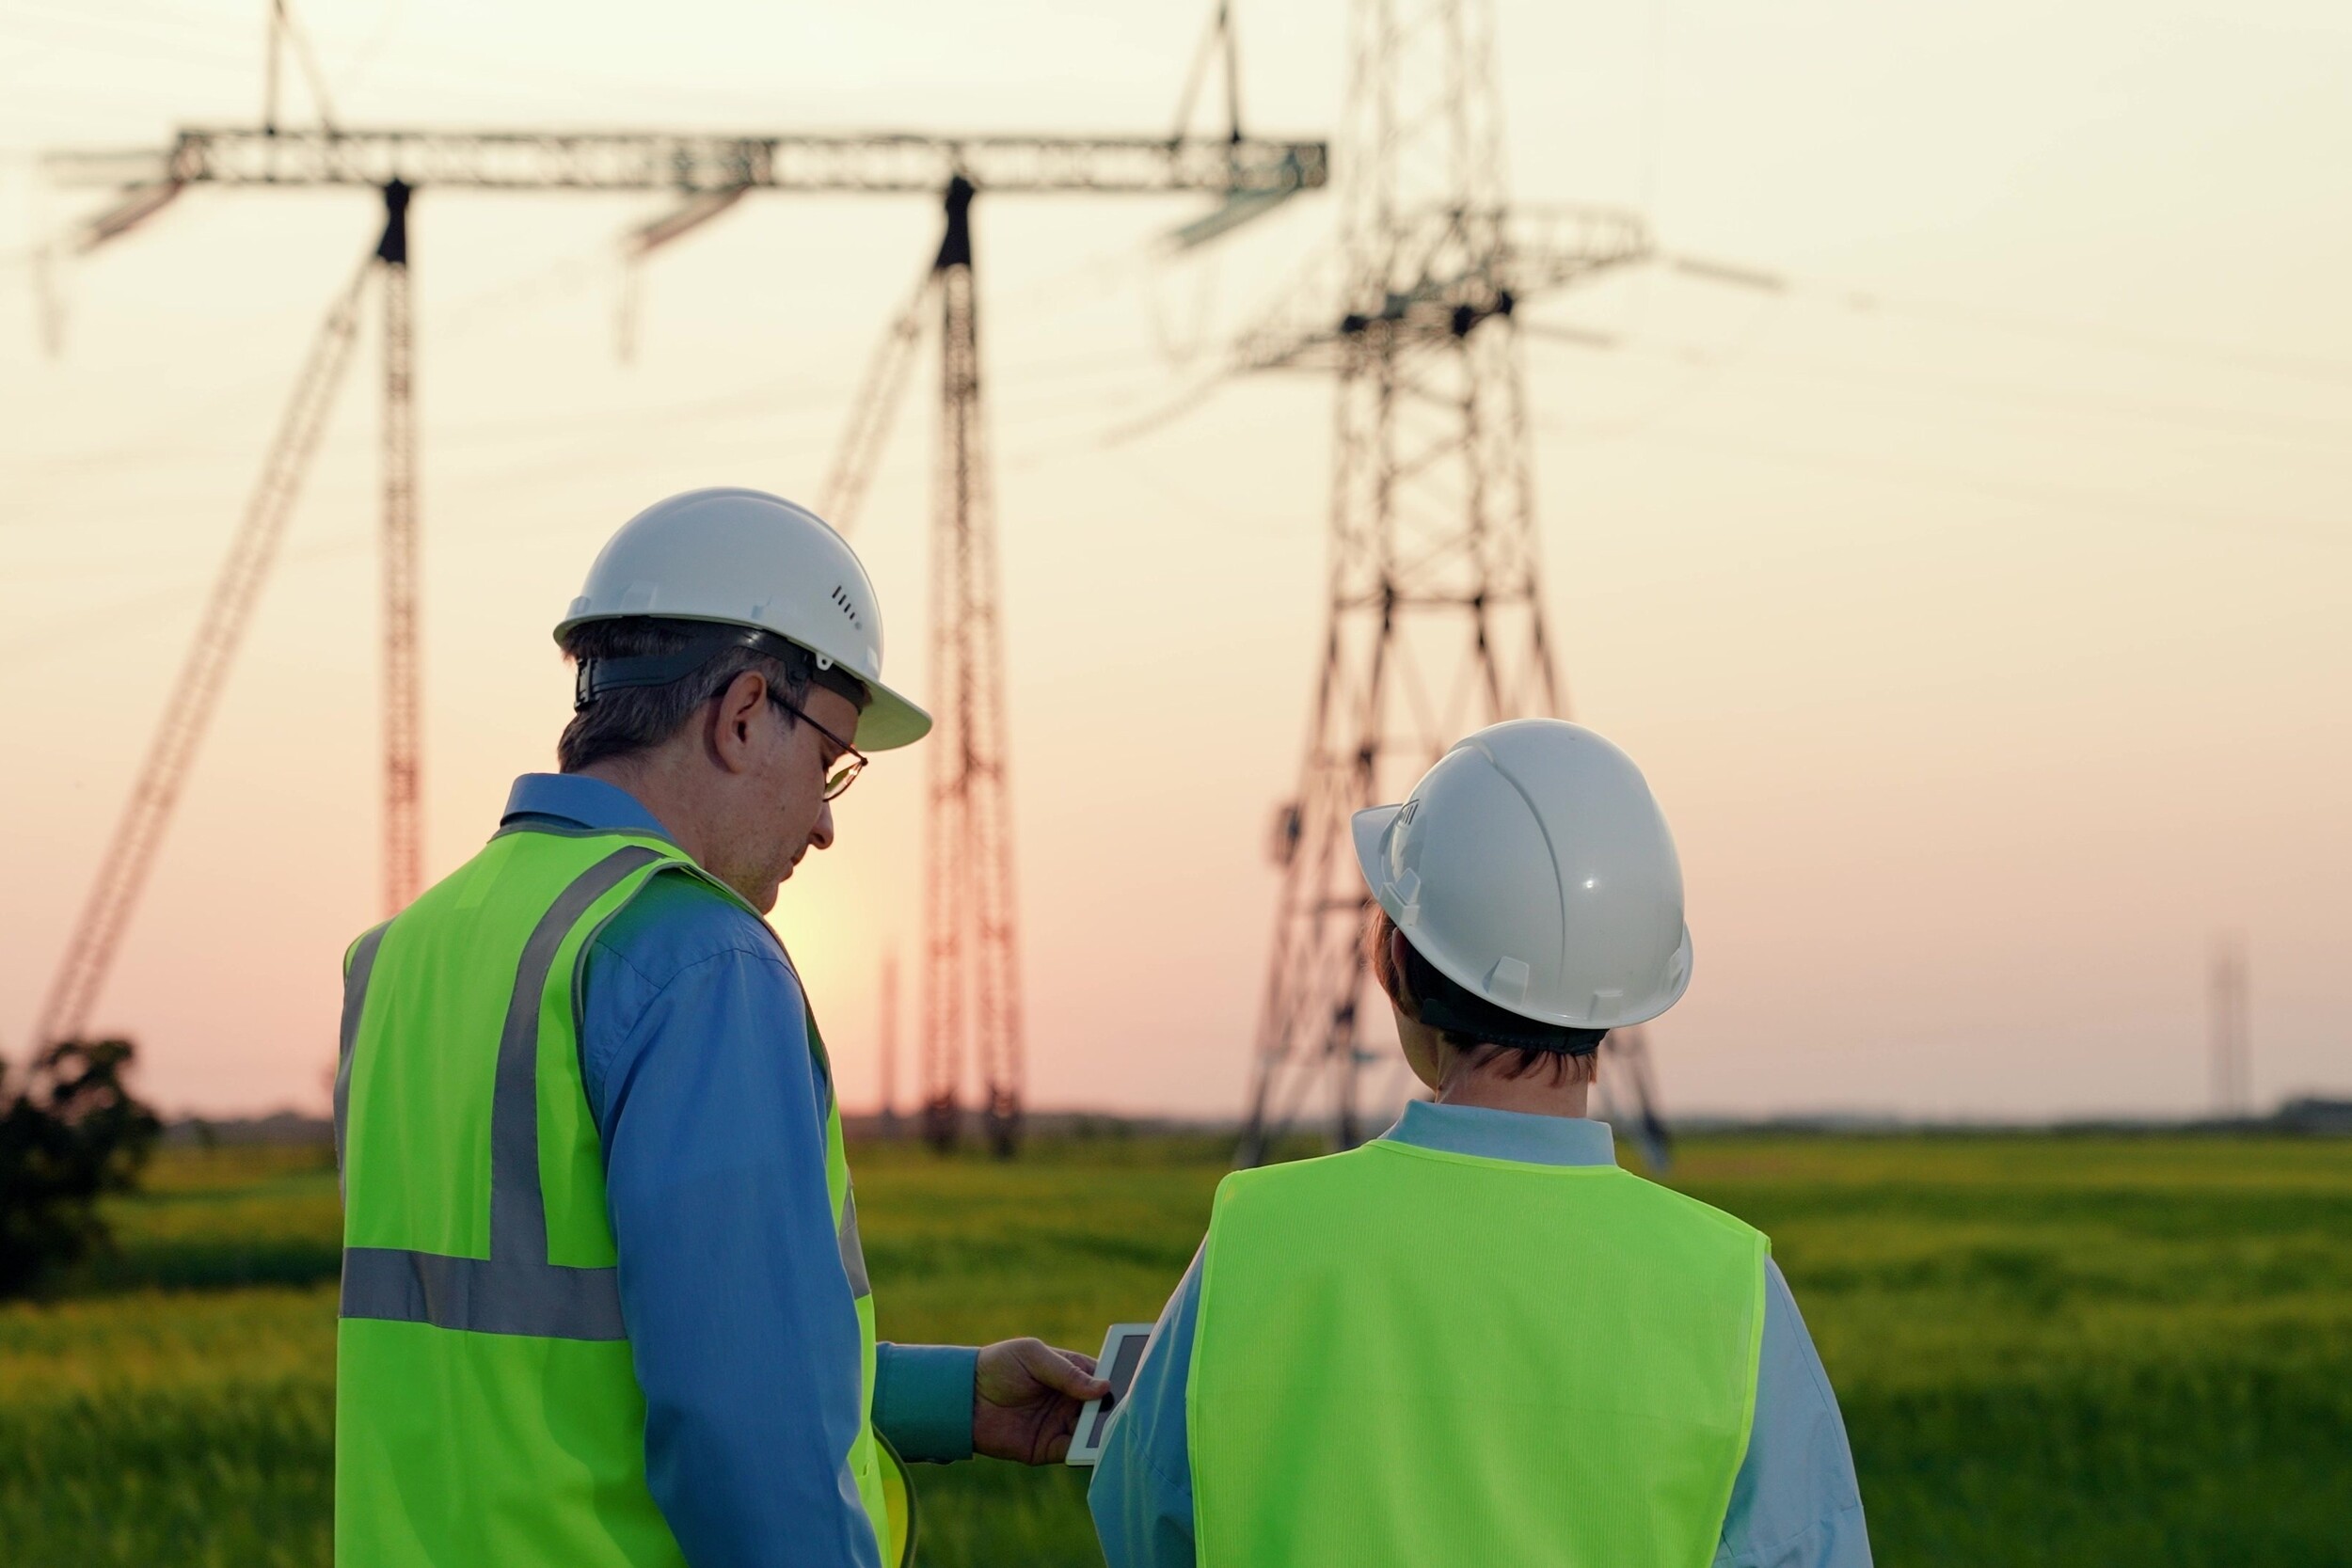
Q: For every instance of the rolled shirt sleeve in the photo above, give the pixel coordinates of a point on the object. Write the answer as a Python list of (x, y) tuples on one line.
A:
[(739, 1313)]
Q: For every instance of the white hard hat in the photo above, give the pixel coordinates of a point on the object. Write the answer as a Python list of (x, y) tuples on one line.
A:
[(1533, 867), (745, 558)]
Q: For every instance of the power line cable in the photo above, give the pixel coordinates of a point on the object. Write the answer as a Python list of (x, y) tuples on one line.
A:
[(1183, 405), (82, 30), (1862, 301), (2243, 356), (2210, 419), (2076, 502)]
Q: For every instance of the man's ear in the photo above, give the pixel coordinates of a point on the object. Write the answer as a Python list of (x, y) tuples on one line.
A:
[(1399, 992), (735, 720)]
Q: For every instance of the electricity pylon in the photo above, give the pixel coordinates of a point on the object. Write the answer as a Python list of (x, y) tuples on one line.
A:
[(229, 609), (972, 1001), (972, 985), (1436, 612), (403, 697), (707, 174), (971, 1004)]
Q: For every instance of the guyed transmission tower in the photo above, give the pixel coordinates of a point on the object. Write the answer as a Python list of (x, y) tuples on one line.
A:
[(971, 1007), (1436, 612), (972, 997), (138, 834)]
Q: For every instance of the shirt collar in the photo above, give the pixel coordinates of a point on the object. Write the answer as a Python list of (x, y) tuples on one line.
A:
[(1533, 1140), (582, 801)]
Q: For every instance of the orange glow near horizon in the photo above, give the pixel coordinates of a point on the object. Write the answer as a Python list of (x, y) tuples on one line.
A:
[(1988, 645)]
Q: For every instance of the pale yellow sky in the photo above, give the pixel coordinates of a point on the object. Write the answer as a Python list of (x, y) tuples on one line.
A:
[(1990, 648)]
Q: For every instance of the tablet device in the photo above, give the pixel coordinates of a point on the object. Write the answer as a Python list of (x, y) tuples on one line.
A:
[(1122, 1352)]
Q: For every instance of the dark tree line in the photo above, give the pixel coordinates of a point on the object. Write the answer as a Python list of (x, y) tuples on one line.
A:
[(69, 1132)]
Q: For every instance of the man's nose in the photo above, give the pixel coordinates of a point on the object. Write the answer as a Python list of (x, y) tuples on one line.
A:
[(820, 836)]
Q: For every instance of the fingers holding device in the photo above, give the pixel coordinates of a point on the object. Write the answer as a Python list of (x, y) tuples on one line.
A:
[(1122, 1352)]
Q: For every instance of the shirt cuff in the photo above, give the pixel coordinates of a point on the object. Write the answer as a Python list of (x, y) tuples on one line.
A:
[(923, 1401)]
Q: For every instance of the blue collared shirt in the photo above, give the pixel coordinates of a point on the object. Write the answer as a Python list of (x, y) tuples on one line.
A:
[(694, 1048), (1795, 1503)]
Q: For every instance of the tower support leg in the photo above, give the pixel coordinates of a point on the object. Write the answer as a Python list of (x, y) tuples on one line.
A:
[(972, 991), (403, 811)]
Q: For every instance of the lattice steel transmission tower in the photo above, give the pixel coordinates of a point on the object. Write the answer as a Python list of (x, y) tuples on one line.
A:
[(403, 701), (971, 951), (707, 174), (228, 609), (1436, 622)]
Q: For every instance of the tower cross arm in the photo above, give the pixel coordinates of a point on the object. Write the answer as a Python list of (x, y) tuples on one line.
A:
[(693, 162), (1439, 275)]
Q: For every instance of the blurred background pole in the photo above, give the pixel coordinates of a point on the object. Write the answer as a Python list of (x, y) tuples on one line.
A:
[(403, 811), (2233, 1065), (889, 1042)]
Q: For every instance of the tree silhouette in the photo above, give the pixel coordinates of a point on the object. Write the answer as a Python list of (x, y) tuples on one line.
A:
[(69, 1132)]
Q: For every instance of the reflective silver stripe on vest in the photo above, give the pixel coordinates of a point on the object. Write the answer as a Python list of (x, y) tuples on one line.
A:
[(482, 1295), (845, 1233), (515, 1289), (355, 997), (852, 1252)]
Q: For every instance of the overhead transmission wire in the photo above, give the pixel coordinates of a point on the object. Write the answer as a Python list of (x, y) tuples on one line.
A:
[(2206, 418), (2077, 502), (1866, 302), (467, 314), (1189, 400), (757, 402), (792, 394), (2270, 361), (196, 691), (448, 67), (79, 28), (55, 636)]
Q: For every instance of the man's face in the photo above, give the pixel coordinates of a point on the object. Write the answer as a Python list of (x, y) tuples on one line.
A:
[(786, 814)]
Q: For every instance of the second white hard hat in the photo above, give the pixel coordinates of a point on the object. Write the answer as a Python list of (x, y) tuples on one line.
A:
[(745, 558), (1533, 867)]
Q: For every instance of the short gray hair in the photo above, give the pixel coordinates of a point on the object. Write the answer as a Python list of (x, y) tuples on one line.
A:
[(628, 719)]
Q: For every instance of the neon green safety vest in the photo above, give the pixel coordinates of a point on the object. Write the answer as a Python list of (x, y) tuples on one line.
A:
[(1407, 1356), (486, 1412)]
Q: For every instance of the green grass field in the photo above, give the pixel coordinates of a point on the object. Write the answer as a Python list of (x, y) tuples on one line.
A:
[(2050, 1350)]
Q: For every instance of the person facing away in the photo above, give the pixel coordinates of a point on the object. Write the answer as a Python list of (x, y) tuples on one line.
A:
[(1476, 1342), (603, 1299)]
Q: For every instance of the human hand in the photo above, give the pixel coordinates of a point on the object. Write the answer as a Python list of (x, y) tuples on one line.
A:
[(1025, 1397)]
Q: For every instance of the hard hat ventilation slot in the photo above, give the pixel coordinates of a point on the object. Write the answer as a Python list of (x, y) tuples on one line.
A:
[(1407, 891), (1506, 982), (847, 607)]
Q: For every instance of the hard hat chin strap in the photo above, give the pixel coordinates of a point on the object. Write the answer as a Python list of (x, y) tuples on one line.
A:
[(594, 677)]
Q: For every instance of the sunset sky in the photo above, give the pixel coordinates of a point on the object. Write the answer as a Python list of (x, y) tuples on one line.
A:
[(1980, 607)]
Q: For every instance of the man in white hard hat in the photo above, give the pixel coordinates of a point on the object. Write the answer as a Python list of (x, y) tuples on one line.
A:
[(1476, 1341), (604, 1303)]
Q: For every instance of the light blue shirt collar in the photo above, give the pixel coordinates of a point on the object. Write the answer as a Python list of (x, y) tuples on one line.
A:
[(583, 802), (1533, 1140)]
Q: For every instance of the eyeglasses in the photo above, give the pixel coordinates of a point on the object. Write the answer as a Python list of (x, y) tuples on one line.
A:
[(853, 760)]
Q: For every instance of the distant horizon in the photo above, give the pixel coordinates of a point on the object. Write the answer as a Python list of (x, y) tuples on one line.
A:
[(1817, 1119)]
